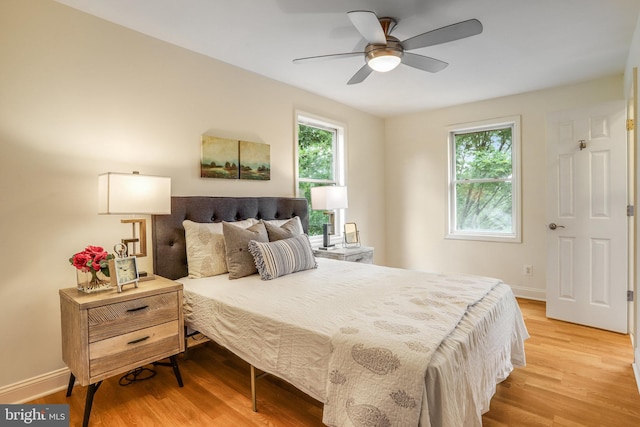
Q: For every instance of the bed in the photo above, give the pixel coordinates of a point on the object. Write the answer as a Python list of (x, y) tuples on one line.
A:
[(356, 337)]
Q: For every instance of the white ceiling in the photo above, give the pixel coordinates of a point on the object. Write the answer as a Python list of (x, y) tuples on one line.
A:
[(526, 44)]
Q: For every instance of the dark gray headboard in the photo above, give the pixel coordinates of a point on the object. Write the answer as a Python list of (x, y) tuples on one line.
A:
[(169, 246)]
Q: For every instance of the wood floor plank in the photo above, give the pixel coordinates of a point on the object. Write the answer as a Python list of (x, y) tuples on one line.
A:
[(575, 376)]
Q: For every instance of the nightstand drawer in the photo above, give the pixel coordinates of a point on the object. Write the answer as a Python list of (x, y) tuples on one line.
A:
[(113, 353), (116, 319), (364, 257)]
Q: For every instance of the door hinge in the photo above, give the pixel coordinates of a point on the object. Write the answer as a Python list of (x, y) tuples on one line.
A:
[(631, 210), (629, 296), (631, 124)]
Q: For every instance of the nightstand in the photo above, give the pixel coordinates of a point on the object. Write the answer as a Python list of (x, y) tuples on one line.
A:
[(363, 254), (110, 333)]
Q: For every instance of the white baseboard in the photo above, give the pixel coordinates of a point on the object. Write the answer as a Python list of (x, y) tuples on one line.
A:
[(33, 388), (529, 293)]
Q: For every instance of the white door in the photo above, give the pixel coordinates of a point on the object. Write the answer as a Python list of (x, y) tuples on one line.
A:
[(586, 216)]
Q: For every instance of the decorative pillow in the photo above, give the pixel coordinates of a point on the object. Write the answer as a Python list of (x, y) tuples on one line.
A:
[(275, 259), (236, 240), (280, 222), (206, 254), (278, 229)]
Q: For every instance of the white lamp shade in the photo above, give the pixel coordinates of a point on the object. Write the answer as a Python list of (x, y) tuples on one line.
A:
[(121, 193), (329, 197)]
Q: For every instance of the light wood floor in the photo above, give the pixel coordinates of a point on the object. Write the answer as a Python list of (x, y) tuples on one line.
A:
[(575, 376)]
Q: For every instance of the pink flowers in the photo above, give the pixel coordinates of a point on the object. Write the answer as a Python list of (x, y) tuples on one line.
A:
[(92, 259)]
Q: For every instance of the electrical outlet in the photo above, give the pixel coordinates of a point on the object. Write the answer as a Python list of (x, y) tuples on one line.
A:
[(527, 270)]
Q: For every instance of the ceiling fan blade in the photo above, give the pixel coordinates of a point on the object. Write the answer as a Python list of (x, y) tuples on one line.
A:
[(368, 24), (362, 74), (446, 34), (423, 63), (326, 57)]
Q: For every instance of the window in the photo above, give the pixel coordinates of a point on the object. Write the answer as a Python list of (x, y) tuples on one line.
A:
[(320, 161), (484, 176)]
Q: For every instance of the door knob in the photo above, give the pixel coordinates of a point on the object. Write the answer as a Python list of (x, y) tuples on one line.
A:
[(553, 226)]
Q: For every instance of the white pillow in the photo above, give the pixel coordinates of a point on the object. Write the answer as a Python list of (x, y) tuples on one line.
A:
[(206, 253)]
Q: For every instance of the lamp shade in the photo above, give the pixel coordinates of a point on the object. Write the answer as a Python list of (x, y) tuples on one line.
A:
[(329, 197), (121, 193)]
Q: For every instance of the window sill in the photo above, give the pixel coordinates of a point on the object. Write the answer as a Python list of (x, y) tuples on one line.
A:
[(488, 237)]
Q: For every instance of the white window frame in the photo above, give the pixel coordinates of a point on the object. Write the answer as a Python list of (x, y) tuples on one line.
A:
[(339, 162), (516, 235)]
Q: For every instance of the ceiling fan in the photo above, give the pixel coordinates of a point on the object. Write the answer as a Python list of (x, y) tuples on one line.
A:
[(384, 52)]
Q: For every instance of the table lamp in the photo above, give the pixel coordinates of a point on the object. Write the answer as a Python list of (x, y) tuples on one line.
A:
[(121, 193), (328, 198)]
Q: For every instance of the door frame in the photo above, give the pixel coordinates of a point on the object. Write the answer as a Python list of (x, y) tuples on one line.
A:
[(634, 153)]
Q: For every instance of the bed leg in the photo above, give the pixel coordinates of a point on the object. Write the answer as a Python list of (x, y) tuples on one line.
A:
[(253, 389)]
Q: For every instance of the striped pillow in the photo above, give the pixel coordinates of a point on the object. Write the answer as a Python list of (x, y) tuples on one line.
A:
[(286, 256)]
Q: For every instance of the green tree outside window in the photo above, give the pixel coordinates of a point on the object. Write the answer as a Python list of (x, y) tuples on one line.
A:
[(483, 181), (316, 166)]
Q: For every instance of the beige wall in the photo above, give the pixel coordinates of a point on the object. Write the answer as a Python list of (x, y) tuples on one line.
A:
[(79, 97), (416, 186), (633, 60)]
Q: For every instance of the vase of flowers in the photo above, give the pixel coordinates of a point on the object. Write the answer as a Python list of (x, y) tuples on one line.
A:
[(92, 269)]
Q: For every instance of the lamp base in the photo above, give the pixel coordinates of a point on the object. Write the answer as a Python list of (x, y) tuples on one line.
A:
[(142, 240), (327, 248), (327, 229)]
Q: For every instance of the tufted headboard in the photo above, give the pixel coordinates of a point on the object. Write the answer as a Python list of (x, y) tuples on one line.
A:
[(169, 246)]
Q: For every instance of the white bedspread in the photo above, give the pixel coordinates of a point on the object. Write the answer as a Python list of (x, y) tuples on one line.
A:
[(285, 327), (380, 356)]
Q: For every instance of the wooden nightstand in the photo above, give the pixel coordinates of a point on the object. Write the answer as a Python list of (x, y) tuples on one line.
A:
[(363, 254), (110, 333)]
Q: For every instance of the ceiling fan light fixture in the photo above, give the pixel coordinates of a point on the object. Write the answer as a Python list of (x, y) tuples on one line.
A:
[(383, 58), (384, 62)]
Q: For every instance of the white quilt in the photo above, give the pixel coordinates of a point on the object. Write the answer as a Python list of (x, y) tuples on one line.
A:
[(285, 327), (380, 356)]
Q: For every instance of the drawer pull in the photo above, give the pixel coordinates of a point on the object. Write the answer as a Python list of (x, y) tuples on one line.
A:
[(139, 340), (137, 309)]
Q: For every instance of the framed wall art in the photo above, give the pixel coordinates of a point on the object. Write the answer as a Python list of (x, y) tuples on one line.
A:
[(233, 159), (220, 158), (255, 161)]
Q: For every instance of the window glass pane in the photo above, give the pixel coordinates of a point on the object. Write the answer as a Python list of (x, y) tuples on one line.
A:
[(484, 207), (315, 153), (483, 154), (316, 218), (320, 160)]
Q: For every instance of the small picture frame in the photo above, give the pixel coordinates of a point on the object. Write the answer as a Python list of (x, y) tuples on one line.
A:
[(351, 235), (123, 271)]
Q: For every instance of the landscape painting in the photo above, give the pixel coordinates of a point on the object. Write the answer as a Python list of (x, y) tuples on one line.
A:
[(255, 161), (220, 158)]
